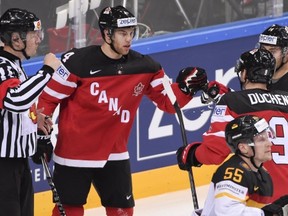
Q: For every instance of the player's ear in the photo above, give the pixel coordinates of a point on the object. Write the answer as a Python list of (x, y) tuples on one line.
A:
[(15, 37), (107, 35), (16, 40), (243, 147)]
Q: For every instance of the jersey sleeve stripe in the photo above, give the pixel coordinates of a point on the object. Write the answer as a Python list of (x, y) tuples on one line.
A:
[(63, 82), (55, 94), (218, 134), (156, 82)]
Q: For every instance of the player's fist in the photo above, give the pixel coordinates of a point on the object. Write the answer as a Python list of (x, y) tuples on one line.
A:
[(186, 156), (51, 60), (44, 147), (214, 92), (191, 79)]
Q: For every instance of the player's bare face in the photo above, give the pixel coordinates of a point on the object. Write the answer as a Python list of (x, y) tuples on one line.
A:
[(122, 39), (262, 147), (33, 39)]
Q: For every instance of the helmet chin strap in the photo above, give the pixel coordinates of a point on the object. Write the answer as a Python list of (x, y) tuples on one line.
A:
[(251, 158), (23, 50), (242, 87), (25, 54), (109, 34), (113, 48)]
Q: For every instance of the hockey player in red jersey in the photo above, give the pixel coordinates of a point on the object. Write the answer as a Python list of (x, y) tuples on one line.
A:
[(255, 69), (242, 185), (99, 89)]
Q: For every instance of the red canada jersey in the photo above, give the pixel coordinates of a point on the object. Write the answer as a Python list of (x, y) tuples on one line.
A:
[(98, 99), (271, 105)]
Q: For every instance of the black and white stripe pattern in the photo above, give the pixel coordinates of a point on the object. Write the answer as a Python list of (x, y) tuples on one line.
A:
[(17, 131), (12, 143)]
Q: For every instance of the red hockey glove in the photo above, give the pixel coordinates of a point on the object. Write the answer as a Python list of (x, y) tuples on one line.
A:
[(44, 147), (191, 79), (214, 92), (186, 156)]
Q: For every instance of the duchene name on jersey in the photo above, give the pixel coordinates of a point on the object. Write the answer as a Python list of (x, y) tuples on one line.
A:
[(256, 98)]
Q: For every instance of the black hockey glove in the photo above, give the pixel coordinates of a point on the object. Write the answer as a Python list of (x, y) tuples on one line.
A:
[(276, 208), (186, 156), (273, 210), (44, 147), (214, 92), (282, 201), (191, 79)]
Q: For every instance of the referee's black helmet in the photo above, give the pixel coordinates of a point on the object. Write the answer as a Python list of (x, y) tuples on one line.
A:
[(18, 20)]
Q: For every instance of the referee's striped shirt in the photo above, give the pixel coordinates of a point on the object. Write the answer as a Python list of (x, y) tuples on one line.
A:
[(18, 95)]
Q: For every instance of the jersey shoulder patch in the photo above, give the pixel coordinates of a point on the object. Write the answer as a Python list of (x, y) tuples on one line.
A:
[(219, 110), (63, 72)]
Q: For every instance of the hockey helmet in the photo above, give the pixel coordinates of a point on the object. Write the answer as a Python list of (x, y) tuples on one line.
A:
[(18, 20), (243, 129), (116, 17), (259, 64), (275, 35)]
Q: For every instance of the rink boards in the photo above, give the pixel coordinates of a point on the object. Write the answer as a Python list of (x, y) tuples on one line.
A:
[(156, 136)]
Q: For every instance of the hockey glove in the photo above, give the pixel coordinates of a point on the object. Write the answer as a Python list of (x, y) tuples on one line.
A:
[(272, 210), (191, 79), (44, 147), (214, 92), (186, 156), (282, 201)]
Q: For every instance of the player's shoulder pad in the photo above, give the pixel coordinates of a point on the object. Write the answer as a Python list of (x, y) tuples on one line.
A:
[(76, 58), (144, 61), (245, 166)]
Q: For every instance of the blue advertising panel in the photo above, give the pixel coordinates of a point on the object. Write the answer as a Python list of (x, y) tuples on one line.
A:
[(156, 136)]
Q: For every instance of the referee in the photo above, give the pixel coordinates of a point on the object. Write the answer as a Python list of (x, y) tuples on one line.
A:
[(21, 34)]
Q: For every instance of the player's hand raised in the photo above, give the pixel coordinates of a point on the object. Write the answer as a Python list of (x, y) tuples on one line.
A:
[(191, 79), (214, 92)]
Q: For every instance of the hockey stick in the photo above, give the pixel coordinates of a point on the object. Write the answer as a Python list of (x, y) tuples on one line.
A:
[(172, 97), (52, 186)]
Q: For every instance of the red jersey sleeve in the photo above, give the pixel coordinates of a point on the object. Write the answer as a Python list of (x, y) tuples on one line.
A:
[(214, 149), (5, 85), (61, 86), (156, 92)]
